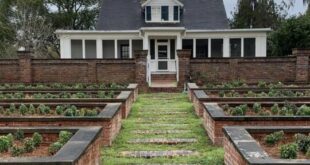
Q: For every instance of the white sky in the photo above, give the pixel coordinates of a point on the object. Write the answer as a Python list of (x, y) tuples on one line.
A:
[(295, 10)]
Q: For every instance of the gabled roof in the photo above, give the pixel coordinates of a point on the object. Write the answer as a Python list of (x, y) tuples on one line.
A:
[(148, 1), (128, 15)]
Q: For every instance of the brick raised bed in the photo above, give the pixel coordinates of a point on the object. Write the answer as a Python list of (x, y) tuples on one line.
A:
[(124, 97), (214, 119), (242, 149), (82, 149), (109, 119)]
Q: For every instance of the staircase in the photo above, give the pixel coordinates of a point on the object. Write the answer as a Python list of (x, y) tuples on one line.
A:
[(164, 82)]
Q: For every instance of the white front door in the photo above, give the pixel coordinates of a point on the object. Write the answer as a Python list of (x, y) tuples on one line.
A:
[(162, 54)]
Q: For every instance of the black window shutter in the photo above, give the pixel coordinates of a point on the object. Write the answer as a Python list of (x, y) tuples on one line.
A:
[(148, 13), (165, 13), (176, 13)]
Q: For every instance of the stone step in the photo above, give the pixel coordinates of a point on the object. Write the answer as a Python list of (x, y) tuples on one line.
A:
[(162, 113), (159, 132), (173, 141), (163, 125), (154, 154)]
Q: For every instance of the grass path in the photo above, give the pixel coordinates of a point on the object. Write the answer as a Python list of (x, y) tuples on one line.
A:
[(162, 119)]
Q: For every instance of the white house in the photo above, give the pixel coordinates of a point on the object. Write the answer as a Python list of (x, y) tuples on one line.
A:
[(162, 27)]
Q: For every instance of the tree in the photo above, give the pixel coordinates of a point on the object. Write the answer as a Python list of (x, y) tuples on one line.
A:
[(293, 33), (6, 32), (258, 14), (307, 2)]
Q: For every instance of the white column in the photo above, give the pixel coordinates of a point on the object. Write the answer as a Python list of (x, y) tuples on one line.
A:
[(99, 49), (179, 42), (115, 49), (83, 48), (261, 46), (146, 42), (130, 48), (242, 47), (65, 47), (226, 51), (194, 48), (209, 47)]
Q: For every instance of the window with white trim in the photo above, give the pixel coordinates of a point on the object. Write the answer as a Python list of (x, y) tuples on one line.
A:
[(165, 13)]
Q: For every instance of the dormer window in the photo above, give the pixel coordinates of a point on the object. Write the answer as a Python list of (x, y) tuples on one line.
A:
[(158, 12)]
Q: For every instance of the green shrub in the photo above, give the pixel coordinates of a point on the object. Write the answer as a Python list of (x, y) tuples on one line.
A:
[(18, 95), (54, 148), (2, 110), (10, 138), (273, 138), (64, 137), (222, 94), (304, 110), (37, 96), (238, 111), (60, 110), (12, 108), (91, 112), (226, 107), (262, 84), (37, 139), (262, 94), (19, 135), (29, 145), (308, 153), (257, 107), (23, 109), (43, 109), (32, 109), (17, 151), (303, 142), (69, 112), (289, 151), (4, 143), (275, 109), (251, 94)]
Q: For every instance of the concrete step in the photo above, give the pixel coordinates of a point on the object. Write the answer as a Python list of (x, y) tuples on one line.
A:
[(154, 154), (159, 132), (173, 141), (164, 77)]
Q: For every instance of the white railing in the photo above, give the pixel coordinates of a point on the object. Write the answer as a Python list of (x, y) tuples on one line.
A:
[(148, 72), (171, 65)]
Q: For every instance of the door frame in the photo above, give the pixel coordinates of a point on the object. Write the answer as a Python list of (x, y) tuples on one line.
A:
[(157, 44)]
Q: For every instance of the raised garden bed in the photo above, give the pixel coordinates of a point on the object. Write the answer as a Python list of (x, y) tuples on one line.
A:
[(50, 145), (266, 145), (106, 115), (125, 97), (215, 118)]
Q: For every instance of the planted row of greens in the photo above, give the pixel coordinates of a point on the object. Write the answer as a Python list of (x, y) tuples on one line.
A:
[(60, 110), (288, 109), (300, 145), (64, 95), (63, 86), (270, 93), (243, 84), (18, 144)]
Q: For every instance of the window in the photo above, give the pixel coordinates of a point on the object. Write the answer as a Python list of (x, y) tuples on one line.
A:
[(165, 13), (124, 51), (76, 49), (152, 49), (217, 48), (202, 48), (188, 44), (90, 49), (148, 13), (235, 47), (176, 13), (249, 47)]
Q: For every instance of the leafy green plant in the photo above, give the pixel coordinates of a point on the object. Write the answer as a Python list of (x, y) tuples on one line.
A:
[(23, 109), (274, 138), (257, 107), (10, 138), (275, 109), (303, 142), (43, 109), (60, 110), (54, 148), (4, 143), (19, 135), (29, 145), (64, 136), (251, 94), (17, 150), (262, 84), (222, 93), (239, 110), (91, 112), (289, 151), (304, 110), (37, 139), (12, 108), (32, 109)]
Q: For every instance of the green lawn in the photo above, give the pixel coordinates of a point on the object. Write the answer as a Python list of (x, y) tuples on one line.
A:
[(151, 109)]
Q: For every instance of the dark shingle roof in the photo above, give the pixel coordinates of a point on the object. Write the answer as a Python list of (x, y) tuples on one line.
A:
[(127, 15)]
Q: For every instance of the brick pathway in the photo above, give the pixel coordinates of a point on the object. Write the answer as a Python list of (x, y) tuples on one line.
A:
[(162, 129)]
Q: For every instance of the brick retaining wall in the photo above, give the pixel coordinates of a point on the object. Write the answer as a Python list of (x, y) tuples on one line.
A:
[(27, 70)]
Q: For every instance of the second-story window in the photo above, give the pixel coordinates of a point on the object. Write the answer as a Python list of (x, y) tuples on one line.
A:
[(165, 13), (176, 13), (148, 13)]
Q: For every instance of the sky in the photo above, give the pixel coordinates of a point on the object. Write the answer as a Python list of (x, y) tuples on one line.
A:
[(295, 10)]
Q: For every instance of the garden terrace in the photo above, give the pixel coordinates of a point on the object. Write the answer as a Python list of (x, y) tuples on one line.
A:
[(215, 118), (246, 145), (81, 148), (107, 115), (125, 97)]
